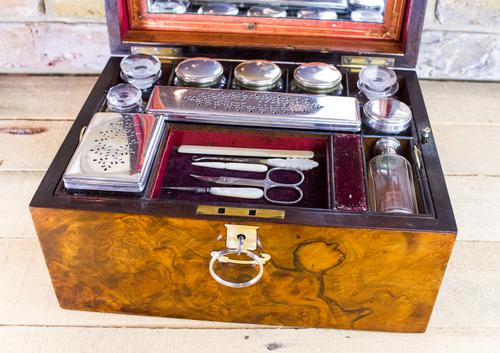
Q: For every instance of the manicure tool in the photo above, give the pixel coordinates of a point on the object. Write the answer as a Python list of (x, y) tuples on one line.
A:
[(289, 163), (267, 184), (246, 167), (243, 193), (245, 152)]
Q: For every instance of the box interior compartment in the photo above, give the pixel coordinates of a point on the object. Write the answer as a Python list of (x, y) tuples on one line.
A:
[(174, 168)]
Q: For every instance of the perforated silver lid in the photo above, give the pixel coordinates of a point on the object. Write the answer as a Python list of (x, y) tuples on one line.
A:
[(124, 97), (218, 8), (140, 66), (257, 73), (316, 13), (115, 153), (199, 70), (367, 16), (266, 11), (317, 75), (387, 115)]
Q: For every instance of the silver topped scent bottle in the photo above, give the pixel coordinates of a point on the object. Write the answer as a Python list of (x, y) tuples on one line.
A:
[(260, 75), (140, 70), (317, 78), (377, 82), (124, 98), (390, 180), (200, 72)]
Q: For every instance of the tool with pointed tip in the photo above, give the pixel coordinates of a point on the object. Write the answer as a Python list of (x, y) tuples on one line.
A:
[(289, 163), (243, 193), (245, 167)]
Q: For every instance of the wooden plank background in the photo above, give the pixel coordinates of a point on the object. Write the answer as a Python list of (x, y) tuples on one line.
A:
[(35, 114)]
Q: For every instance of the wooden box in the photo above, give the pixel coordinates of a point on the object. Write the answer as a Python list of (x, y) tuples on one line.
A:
[(330, 266)]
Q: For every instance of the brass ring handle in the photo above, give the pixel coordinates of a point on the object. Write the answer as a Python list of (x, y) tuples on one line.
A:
[(220, 254)]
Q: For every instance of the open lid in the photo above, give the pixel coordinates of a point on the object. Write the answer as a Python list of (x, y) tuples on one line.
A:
[(389, 29)]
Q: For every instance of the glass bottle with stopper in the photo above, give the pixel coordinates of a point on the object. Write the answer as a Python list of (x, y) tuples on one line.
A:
[(390, 180)]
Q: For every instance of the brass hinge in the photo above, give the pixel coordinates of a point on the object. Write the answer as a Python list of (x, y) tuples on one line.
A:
[(356, 63), (163, 53)]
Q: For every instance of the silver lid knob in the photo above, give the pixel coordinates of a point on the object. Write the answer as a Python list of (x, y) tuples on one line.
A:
[(199, 70), (257, 73)]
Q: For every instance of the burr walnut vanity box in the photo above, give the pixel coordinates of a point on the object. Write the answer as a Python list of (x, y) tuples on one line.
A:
[(137, 244)]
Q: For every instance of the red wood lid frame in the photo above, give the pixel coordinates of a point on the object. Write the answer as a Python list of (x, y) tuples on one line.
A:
[(398, 35)]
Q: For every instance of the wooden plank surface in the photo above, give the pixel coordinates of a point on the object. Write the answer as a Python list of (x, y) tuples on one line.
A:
[(467, 314)]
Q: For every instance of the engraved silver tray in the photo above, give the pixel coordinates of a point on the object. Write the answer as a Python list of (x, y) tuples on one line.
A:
[(115, 153), (256, 108)]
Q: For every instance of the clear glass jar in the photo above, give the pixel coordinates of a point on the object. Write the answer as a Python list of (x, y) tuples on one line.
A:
[(390, 180)]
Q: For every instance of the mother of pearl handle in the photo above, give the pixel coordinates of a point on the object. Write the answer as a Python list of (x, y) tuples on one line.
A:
[(244, 193), (246, 167)]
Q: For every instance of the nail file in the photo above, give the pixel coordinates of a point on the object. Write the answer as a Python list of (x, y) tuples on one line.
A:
[(246, 152)]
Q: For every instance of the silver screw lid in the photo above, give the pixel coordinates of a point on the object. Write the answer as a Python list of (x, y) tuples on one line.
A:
[(387, 145), (140, 66), (317, 13), (317, 75), (387, 115), (170, 6), (257, 73), (266, 11), (124, 97), (199, 70), (218, 8), (366, 16)]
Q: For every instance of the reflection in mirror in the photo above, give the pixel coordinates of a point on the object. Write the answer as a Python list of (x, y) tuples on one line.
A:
[(340, 10)]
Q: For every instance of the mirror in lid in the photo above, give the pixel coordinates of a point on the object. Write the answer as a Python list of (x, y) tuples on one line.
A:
[(341, 10)]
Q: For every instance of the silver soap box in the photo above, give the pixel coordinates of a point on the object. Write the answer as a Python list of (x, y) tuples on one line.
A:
[(115, 153)]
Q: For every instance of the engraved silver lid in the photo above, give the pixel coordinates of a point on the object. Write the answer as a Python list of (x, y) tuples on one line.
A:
[(266, 11), (140, 66), (199, 70), (124, 97), (317, 75), (387, 115), (218, 8), (257, 73), (317, 13), (169, 6), (366, 16)]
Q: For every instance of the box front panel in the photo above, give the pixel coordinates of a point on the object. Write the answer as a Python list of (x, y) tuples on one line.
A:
[(315, 277)]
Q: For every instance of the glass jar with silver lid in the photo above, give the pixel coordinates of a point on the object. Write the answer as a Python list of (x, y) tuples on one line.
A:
[(140, 70), (218, 8), (317, 13), (261, 75), (124, 98), (200, 72), (318, 78), (387, 115), (377, 82), (266, 11)]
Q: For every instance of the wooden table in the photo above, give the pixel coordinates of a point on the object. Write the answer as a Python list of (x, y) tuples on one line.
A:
[(35, 114)]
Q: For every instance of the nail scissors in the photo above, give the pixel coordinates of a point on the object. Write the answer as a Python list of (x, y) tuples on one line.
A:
[(267, 184)]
